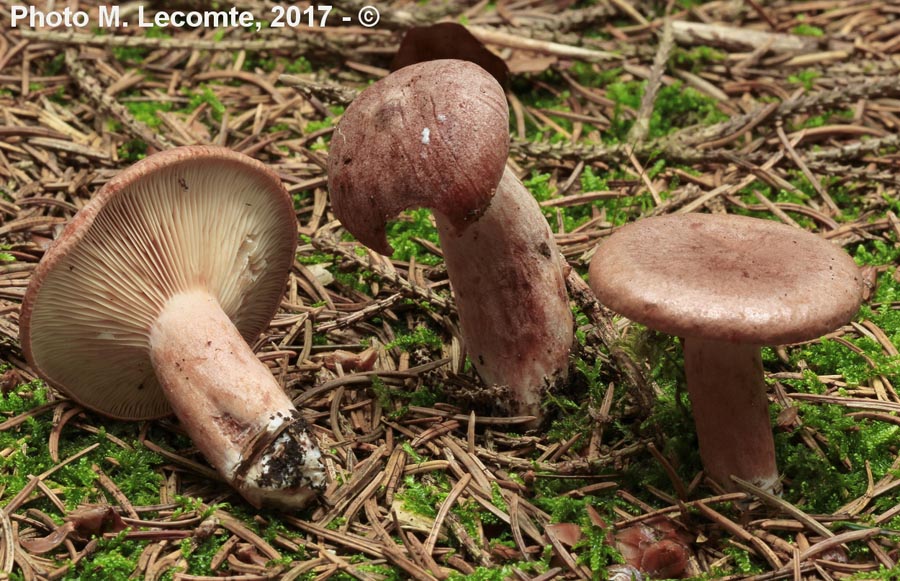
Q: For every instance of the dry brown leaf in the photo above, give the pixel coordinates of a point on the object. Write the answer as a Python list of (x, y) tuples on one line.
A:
[(448, 40)]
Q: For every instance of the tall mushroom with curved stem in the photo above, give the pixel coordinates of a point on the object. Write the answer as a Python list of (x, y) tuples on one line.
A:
[(145, 304), (728, 285), (436, 135)]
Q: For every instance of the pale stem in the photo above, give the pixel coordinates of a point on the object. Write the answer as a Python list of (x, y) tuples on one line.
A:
[(731, 412), (231, 406), (509, 283)]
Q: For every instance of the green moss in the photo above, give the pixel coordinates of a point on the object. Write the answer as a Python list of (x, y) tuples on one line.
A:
[(570, 412), (413, 455), (56, 65), (471, 514), (147, 112), (129, 53), (423, 496), (132, 150), (591, 182), (114, 558), (423, 396), (695, 58), (135, 471), (805, 78), (591, 75), (136, 54), (199, 555), (823, 484), (807, 30), (877, 253), (822, 119), (675, 106), (313, 126), (336, 523), (882, 574), (297, 66), (261, 60), (679, 106), (595, 552), (399, 400), (205, 94), (403, 232), (316, 258), (742, 561), (618, 210), (421, 336), (354, 280), (817, 484), (887, 291), (501, 573), (382, 572), (497, 497)]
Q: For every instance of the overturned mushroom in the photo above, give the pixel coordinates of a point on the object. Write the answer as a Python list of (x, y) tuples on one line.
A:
[(728, 285), (436, 135), (145, 304)]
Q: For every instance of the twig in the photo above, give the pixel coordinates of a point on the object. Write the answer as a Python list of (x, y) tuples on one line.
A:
[(856, 149), (783, 506), (88, 83), (493, 36), (786, 143), (331, 92), (641, 127), (741, 39), (446, 505)]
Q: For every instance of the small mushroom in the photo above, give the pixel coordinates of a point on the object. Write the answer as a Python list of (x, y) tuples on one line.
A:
[(145, 304), (436, 135), (728, 285)]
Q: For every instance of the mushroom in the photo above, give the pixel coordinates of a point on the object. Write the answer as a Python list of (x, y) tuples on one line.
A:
[(436, 135), (145, 304), (728, 285)]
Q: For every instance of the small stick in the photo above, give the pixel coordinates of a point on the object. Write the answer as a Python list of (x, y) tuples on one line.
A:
[(492, 36), (792, 153), (782, 505), (641, 127), (444, 510)]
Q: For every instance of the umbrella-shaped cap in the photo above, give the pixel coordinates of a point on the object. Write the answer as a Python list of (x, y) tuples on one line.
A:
[(433, 134), (726, 277), (189, 218)]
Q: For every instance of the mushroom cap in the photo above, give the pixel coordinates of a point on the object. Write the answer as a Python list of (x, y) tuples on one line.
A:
[(185, 219), (728, 278), (433, 134)]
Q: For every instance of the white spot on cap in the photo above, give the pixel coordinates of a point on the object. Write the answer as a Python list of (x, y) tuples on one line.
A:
[(426, 136), (441, 118)]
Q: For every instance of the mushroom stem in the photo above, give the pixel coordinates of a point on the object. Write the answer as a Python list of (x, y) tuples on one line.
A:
[(509, 282), (731, 412), (232, 408)]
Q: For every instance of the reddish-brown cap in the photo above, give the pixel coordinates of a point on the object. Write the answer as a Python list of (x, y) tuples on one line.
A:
[(433, 134), (187, 218), (725, 277)]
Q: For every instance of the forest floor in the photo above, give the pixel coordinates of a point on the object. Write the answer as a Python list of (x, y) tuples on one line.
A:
[(783, 110)]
